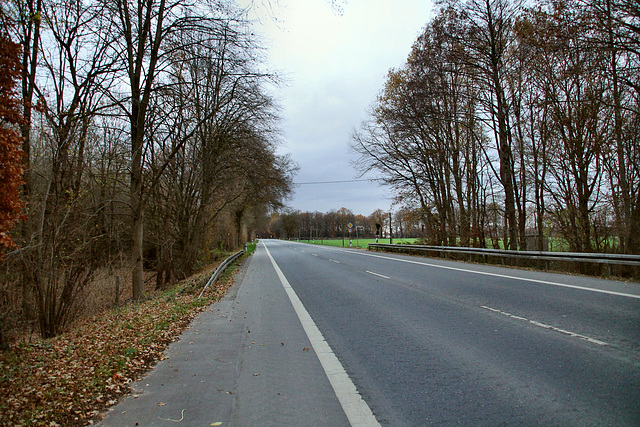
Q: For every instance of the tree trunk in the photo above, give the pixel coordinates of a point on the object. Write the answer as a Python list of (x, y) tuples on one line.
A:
[(496, 62), (31, 47), (137, 207), (506, 176), (633, 246), (137, 274), (618, 123)]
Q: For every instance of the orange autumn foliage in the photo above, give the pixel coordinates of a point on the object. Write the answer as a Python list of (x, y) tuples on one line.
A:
[(11, 154)]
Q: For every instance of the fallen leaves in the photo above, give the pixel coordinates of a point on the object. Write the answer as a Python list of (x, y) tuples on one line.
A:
[(73, 378)]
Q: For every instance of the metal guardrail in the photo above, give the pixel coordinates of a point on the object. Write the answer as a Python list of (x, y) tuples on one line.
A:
[(618, 259), (220, 269)]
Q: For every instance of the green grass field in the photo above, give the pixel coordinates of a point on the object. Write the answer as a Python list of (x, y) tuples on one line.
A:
[(361, 243), (555, 244)]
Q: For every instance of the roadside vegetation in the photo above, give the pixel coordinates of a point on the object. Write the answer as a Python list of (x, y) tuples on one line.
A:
[(357, 243), (510, 125), (514, 122), (137, 142), (555, 244), (73, 378), (251, 247), (406, 226)]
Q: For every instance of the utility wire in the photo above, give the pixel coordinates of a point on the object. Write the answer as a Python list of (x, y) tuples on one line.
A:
[(332, 182)]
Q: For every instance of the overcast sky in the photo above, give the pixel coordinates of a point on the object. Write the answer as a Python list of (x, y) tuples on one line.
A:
[(335, 65)]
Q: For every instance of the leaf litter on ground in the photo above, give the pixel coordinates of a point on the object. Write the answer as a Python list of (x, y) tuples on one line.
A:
[(73, 378)]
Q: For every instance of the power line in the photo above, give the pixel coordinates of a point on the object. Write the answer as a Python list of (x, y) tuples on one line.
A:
[(333, 182)]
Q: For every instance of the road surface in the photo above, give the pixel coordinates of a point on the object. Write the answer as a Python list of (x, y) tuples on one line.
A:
[(407, 340)]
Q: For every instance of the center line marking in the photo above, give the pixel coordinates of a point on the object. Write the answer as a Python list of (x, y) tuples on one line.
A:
[(379, 275), (545, 326)]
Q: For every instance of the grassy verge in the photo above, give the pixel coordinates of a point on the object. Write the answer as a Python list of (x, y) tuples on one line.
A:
[(555, 244), (73, 378), (251, 247), (356, 243)]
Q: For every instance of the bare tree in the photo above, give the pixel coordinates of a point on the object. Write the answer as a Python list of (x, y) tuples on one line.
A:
[(59, 260), (148, 37), (488, 39), (211, 128), (614, 28), (576, 104), (424, 134)]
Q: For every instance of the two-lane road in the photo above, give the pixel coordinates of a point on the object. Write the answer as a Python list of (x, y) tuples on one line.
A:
[(429, 341), (315, 335)]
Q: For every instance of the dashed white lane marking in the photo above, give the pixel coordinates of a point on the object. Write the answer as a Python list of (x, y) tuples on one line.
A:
[(379, 275), (356, 409), (545, 326), (333, 260), (314, 254), (505, 276)]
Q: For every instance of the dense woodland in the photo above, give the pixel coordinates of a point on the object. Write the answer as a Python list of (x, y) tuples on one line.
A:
[(513, 118), (148, 140)]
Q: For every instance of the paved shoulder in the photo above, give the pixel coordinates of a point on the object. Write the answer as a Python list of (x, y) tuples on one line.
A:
[(245, 361)]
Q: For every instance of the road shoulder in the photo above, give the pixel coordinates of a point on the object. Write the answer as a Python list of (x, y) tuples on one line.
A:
[(244, 361)]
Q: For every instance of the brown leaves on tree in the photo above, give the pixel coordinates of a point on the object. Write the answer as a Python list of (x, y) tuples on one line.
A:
[(10, 140)]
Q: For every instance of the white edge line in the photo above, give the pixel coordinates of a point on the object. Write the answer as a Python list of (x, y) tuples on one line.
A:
[(356, 409), (504, 276)]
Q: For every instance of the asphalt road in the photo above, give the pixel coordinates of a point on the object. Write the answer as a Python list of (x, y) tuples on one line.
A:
[(424, 342)]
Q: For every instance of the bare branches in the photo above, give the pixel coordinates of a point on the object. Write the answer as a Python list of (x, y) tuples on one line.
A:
[(536, 96), (152, 114)]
